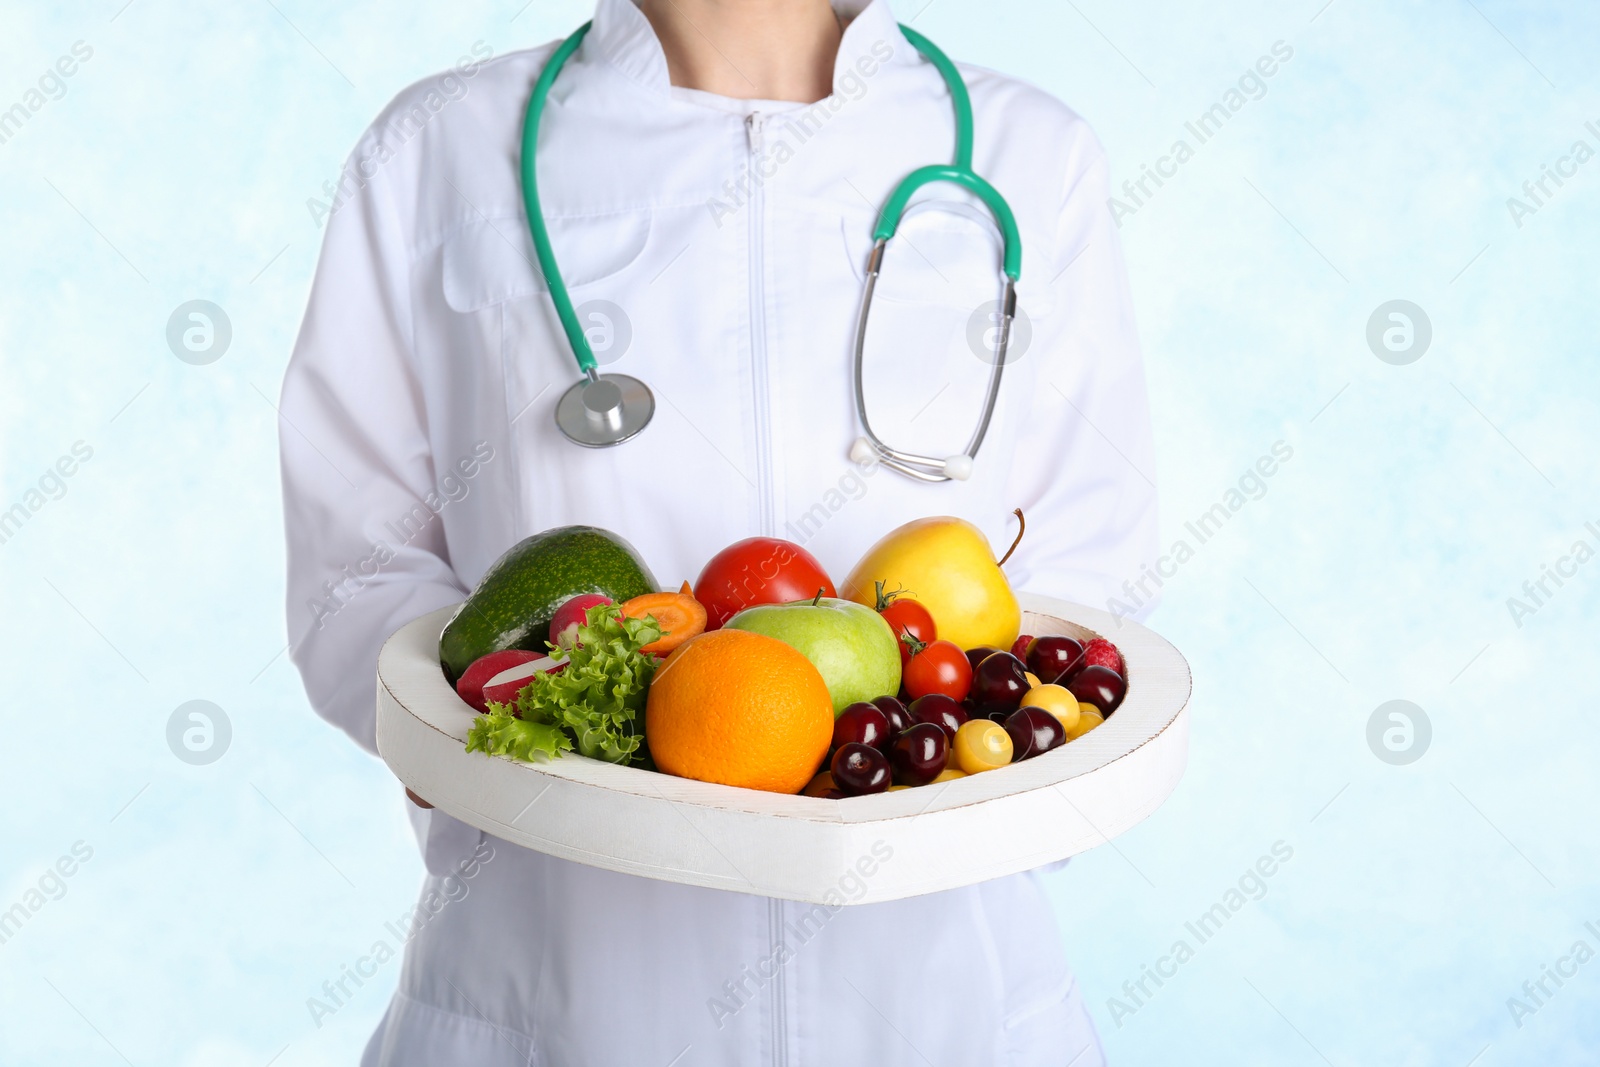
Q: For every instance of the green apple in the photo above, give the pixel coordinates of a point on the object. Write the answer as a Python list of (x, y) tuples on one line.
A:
[(850, 645)]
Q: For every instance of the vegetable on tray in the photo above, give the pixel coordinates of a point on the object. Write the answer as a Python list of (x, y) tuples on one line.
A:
[(594, 705), (758, 677)]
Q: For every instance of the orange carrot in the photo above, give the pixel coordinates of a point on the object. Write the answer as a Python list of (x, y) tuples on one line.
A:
[(679, 615)]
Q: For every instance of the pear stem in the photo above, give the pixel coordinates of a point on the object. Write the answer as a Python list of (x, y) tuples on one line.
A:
[(1022, 527)]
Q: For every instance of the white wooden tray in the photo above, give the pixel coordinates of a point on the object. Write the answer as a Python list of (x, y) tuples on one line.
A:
[(900, 844)]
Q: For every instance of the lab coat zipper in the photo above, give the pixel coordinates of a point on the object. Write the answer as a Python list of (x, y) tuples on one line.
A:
[(754, 125), (780, 991)]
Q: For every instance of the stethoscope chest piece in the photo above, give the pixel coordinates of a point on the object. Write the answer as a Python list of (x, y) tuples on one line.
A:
[(602, 410)]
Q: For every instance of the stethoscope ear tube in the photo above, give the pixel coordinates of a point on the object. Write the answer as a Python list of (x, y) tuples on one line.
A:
[(895, 207), (957, 467), (869, 446)]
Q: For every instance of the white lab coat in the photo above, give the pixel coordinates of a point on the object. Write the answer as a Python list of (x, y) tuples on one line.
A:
[(723, 242)]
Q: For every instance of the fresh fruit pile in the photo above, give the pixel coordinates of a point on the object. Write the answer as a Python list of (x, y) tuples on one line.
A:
[(760, 675), (965, 712)]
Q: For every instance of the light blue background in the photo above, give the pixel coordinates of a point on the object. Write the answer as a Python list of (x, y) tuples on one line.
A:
[(1377, 566)]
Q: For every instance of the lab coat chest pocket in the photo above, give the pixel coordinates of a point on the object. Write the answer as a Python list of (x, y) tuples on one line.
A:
[(493, 281), (491, 260)]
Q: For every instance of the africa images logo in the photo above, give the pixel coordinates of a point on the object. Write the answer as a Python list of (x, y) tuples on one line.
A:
[(51, 485), (403, 127), (1251, 885), (440, 892), (356, 575), (1251, 85), (1538, 192), (51, 85), (795, 130)]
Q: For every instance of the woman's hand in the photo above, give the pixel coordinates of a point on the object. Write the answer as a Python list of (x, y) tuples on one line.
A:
[(418, 801)]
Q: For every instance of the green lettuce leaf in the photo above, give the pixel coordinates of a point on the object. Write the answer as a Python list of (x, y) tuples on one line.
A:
[(499, 733), (595, 704)]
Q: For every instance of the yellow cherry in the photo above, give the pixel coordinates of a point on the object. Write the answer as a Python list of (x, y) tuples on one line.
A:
[(1058, 701)]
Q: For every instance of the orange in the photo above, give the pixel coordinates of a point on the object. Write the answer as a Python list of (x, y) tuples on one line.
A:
[(741, 709)]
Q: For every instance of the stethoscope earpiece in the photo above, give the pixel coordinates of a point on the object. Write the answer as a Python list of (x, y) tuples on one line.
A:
[(959, 467)]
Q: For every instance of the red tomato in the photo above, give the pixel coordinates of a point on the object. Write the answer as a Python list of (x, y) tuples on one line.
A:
[(908, 617), (758, 570), (940, 667)]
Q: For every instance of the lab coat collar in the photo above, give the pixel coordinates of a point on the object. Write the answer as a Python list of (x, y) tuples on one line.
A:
[(624, 38)]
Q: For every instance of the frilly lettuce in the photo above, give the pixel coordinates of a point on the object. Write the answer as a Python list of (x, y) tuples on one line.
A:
[(594, 704)]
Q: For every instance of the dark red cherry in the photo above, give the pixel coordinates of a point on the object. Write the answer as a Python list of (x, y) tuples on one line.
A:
[(859, 769), (1100, 686), (861, 723), (944, 712), (1000, 679), (1033, 731), (977, 655), (919, 754), (1055, 657), (895, 711)]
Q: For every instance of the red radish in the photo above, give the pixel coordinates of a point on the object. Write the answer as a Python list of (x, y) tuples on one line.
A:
[(504, 687), (1099, 652), (571, 615), (470, 684)]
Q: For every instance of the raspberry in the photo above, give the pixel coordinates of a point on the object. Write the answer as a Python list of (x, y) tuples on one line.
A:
[(1019, 648), (1102, 653)]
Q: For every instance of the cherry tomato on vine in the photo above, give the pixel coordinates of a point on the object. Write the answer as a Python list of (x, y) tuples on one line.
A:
[(937, 667), (907, 618)]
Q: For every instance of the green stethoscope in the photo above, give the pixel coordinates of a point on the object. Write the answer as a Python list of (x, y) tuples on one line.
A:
[(606, 409)]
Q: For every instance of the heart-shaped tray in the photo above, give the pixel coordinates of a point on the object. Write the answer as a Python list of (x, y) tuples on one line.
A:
[(898, 844)]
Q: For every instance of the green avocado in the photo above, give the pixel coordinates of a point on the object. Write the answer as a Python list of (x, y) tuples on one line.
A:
[(518, 596)]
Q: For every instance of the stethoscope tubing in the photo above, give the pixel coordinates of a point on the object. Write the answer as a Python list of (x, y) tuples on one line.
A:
[(959, 172), (542, 248), (926, 468)]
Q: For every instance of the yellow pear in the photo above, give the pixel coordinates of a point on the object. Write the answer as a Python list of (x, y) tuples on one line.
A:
[(946, 565)]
